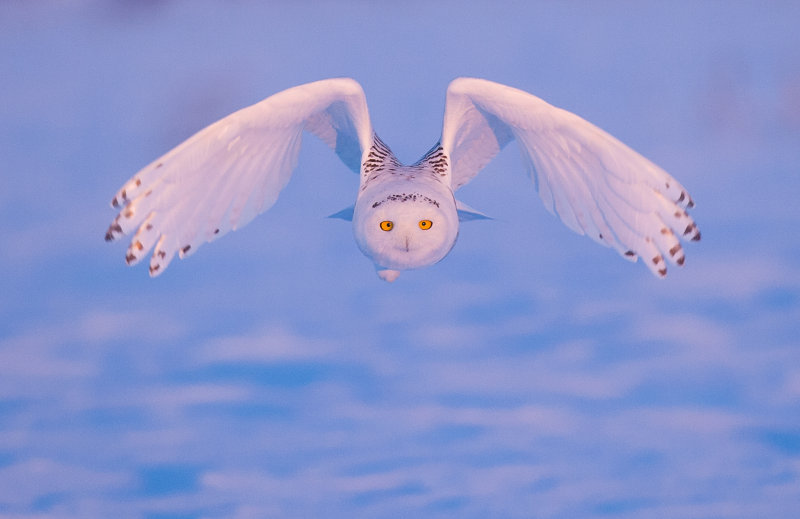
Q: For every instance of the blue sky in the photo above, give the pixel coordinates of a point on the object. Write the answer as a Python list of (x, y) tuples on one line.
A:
[(532, 373)]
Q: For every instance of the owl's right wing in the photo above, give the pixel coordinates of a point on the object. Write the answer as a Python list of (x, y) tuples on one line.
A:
[(226, 174), (597, 185)]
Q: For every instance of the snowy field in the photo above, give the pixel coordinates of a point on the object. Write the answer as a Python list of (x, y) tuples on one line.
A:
[(530, 374)]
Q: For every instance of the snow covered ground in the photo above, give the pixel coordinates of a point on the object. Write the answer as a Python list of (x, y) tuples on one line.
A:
[(532, 373)]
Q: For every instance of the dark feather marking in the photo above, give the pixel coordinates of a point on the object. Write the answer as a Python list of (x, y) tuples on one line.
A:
[(405, 197), (112, 229)]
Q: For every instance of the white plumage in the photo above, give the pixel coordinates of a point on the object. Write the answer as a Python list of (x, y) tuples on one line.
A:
[(404, 217)]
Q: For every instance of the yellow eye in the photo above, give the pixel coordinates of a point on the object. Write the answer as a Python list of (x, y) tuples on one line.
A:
[(386, 225), (425, 224)]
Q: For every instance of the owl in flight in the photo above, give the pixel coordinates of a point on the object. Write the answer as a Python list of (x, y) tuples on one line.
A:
[(404, 217)]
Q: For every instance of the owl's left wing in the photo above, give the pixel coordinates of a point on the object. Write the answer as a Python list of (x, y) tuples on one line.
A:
[(223, 176), (597, 185)]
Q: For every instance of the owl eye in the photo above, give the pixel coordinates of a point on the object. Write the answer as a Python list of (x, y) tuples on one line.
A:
[(386, 225), (425, 224)]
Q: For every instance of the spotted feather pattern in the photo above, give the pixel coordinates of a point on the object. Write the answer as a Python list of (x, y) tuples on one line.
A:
[(381, 163)]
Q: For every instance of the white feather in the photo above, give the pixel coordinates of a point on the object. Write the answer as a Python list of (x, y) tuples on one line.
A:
[(226, 174), (596, 184)]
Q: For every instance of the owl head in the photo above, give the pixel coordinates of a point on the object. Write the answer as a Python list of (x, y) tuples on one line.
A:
[(401, 228)]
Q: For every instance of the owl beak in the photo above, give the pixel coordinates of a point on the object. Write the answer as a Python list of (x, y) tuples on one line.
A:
[(407, 248)]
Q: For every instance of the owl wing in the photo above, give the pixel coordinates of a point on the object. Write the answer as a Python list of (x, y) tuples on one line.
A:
[(223, 176), (597, 185)]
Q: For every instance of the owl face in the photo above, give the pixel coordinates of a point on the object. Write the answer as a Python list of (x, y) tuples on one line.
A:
[(405, 228)]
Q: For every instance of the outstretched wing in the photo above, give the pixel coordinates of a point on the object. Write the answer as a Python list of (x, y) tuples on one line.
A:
[(597, 185), (223, 176)]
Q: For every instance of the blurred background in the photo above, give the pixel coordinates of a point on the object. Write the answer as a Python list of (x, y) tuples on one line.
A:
[(532, 373)]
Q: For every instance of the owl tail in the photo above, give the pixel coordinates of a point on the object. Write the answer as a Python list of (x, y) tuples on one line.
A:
[(388, 274)]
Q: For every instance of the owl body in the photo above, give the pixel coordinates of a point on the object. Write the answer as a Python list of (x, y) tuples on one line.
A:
[(405, 217)]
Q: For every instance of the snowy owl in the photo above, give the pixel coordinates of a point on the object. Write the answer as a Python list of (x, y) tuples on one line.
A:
[(404, 217)]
